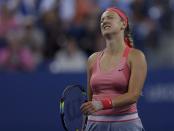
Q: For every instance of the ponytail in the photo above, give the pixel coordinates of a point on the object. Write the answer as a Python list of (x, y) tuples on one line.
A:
[(128, 37)]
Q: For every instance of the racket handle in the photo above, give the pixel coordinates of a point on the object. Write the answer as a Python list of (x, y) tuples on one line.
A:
[(85, 117)]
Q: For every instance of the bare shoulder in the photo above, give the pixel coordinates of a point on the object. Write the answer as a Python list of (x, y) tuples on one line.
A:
[(137, 57), (92, 58), (136, 54)]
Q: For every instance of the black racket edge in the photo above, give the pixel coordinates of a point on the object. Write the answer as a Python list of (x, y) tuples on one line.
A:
[(62, 100), (62, 115), (85, 119), (72, 86)]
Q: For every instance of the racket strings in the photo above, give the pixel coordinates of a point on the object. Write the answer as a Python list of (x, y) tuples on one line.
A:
[(72, 98)]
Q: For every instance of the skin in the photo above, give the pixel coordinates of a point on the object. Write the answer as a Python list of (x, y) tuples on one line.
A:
[(114, 37)]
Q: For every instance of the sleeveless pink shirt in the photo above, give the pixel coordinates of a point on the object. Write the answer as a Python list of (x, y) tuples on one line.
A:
[(111, 84)]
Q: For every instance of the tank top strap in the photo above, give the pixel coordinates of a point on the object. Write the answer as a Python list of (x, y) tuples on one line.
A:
[(126, 52), (100, 54)]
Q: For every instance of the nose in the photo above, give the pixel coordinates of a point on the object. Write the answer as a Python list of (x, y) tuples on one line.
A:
[(105, 22)]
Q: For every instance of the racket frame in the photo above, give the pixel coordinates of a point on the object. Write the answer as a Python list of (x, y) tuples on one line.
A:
[(62, 105)]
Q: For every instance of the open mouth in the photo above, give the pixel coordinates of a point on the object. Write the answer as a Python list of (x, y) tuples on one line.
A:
[(106, 27)]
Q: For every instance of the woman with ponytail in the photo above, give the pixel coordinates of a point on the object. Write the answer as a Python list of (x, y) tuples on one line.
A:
[(116, 77)]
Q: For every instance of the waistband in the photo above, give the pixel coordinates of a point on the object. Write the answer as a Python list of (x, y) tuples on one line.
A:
[(113, 118)]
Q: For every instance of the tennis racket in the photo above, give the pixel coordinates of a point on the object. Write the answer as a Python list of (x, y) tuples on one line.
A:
[(72, 98)]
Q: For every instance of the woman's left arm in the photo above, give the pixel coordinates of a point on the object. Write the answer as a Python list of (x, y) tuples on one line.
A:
[(138, 68)]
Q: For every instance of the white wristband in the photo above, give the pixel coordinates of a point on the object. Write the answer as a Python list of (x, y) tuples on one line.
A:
[(97, 105)]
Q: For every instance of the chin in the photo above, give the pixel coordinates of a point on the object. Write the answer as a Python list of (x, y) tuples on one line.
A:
[(107, 32)]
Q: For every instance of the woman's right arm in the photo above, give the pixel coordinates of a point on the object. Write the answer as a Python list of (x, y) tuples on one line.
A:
[(90, 64), (88, 107)]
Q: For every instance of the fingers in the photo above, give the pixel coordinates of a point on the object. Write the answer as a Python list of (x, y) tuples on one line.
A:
[(84, 105), (87, 108)]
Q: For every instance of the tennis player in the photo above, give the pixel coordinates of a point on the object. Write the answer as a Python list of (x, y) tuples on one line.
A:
[(116, 77)]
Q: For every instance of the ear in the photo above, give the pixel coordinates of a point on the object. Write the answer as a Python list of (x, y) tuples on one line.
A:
[(123, 25)]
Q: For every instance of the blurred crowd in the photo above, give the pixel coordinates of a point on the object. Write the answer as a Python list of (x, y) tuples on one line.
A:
[(66, 32)]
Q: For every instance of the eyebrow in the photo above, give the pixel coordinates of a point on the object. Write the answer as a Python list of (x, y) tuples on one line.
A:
[(107, 16)]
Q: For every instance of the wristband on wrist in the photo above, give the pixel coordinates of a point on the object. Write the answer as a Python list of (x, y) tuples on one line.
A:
[(107, 103), (97, 105)]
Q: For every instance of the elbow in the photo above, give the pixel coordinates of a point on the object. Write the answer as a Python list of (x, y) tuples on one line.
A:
[(134, 97)]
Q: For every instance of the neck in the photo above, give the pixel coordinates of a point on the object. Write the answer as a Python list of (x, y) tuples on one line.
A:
[(115, 43)]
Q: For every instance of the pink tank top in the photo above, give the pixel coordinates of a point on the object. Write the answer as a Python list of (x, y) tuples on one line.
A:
[(112, 84)]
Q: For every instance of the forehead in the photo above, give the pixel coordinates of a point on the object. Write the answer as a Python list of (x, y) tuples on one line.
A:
[(109, 13)]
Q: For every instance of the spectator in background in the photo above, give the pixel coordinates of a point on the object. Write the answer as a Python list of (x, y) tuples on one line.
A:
[(152, 23), (163, 14), (83, 8), (33, 38), (67, 10), (124, 4), (85, 25), (90, 30), (52, 27), (15, 56), (7, 23), (29, 7), (69, 59), (103, 4), (144, 29), (12, 4)]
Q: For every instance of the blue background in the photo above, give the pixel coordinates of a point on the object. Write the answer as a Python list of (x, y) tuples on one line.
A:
[(30, 101)]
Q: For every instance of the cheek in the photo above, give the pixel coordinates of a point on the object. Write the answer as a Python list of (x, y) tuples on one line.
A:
[(101, 28), (116, 26)]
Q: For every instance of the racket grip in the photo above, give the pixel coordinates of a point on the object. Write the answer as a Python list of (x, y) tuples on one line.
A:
[(85, 117)]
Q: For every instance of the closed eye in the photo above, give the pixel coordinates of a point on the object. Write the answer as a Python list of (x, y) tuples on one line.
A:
[(109, 17)]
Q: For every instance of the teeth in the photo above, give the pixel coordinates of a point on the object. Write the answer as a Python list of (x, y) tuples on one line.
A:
[(106, 27)]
